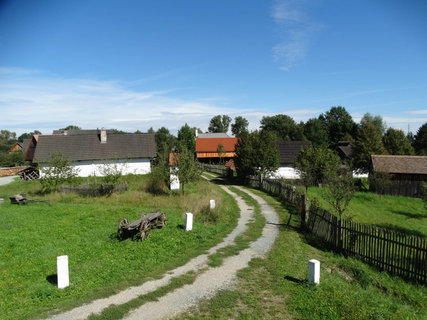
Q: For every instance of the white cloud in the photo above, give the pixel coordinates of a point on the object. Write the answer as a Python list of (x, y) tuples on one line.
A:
[(295, 32)]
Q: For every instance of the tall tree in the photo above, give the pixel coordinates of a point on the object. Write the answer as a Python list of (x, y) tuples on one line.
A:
[(316, 132), (420, 140), (339, 123), (397, 143), (186, 167), (256, 154), (283, 126), (368, 142), (377, 121), (164, 140), (186, 136), (240, 126), (219, 123)]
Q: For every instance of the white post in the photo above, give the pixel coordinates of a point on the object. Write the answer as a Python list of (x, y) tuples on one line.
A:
[(314, 271), (62, 271), (212, 204), (188, 221), (174, 180)]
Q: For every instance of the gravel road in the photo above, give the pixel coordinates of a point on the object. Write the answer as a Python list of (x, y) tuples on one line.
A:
[(206, 284)]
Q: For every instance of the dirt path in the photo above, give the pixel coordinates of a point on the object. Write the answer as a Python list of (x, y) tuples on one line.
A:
[(207, 283)]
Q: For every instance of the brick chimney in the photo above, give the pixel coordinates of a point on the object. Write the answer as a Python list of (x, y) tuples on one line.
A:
[(103, 135)]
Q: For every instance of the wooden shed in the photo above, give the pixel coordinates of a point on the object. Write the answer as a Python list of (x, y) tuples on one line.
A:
[(408, 173)]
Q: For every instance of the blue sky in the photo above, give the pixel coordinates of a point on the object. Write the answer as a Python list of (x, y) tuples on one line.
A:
[(133, 65)]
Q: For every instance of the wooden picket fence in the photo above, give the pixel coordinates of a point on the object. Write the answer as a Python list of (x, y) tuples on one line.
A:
[(397, 253)]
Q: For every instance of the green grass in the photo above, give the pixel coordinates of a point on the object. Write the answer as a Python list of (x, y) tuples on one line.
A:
[(402, 214), (84, 228), (276, 287)]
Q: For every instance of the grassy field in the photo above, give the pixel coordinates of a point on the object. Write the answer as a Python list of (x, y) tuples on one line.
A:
[(84, 228), (276, 287), (403, 214)]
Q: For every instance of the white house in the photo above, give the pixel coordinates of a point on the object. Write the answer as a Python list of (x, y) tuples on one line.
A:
[(288, 151), (92, 151)]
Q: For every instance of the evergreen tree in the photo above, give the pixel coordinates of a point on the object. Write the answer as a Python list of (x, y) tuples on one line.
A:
[(186, 136), (420, 140)]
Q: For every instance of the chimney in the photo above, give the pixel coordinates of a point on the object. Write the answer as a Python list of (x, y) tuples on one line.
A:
[(196, 132), (103, 135)]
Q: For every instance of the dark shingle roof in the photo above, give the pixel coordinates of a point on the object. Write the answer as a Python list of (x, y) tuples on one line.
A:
[(400, 164), (89, 147), (345, 148), (288, 150)]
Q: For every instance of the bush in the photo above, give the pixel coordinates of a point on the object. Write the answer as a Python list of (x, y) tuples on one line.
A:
[(157, 183), (56, 172)]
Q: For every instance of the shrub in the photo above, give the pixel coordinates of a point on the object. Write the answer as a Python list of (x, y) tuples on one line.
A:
[(157, 183), (56, 172)]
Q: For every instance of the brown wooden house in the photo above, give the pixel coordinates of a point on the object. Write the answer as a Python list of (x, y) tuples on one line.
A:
[(407, 173)]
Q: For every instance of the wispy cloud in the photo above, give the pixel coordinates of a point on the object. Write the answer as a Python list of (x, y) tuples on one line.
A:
[(295, 32), (424, 111), (39, 101)]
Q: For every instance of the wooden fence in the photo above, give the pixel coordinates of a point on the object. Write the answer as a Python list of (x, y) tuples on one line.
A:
[(215, 169), (397, 253)]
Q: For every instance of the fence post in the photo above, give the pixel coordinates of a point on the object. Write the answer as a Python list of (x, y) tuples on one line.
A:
[(304, 204)]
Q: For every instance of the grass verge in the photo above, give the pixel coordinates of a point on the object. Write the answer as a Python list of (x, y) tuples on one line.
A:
[(276, 287)]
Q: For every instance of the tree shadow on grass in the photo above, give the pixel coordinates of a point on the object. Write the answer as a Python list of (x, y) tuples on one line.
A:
[(410, 215), (402, 230)]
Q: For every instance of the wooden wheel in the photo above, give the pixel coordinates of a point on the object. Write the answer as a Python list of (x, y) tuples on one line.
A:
[(144, 230), (120, 230)]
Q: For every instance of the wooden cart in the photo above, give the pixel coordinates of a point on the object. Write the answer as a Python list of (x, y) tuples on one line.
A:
[(141, 226)]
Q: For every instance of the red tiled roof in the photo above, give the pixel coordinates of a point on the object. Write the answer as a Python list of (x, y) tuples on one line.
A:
[(211, 144)]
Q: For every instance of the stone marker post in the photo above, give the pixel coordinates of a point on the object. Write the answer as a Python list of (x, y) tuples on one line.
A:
[(314, 271), (62, 271), (188, 221), (212, 204)]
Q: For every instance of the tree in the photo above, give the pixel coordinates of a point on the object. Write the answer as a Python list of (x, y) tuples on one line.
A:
[(377, 121), (56, 172), (28, 135), (186, 136), (219, 123), (186, 167), (71, 127), (256, 154), (420, 140), (283, 126), (396, 143), (316, 132), (7, 140), (240, 126), (221, 152), (164, 140), (368, 142), (339, 192), (339, 124), (315, 164), (151, 130)]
